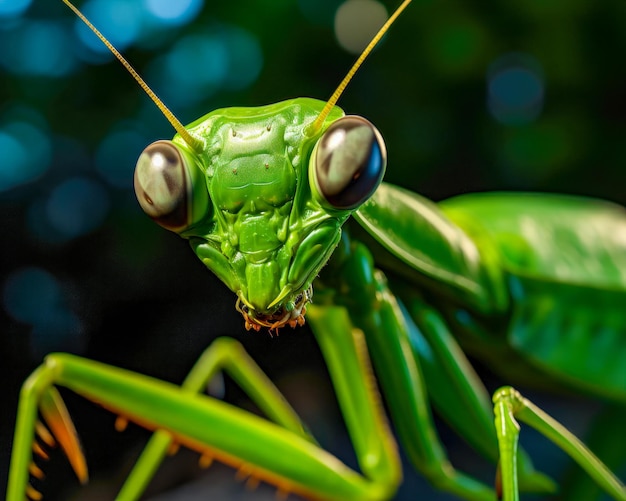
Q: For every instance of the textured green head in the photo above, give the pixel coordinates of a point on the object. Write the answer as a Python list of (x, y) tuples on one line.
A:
[(262, 200)]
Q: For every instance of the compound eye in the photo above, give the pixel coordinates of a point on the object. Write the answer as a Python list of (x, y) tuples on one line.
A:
[(349, 162), (163, 185)]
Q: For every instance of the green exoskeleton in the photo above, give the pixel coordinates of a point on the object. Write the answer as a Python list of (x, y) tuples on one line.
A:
[(261, 195)]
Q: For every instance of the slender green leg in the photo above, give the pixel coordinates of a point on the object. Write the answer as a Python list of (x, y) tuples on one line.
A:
[(357, 395), (606, 440), (373, 308), (406, 354), (510, 406), (266, 450), (224, 354), (38, 394), (457, 391), (459, 394)]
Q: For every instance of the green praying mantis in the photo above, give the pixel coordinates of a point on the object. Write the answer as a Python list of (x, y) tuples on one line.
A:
[(261, 194)]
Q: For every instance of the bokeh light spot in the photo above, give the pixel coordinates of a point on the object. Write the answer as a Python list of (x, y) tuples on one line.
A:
[(15, 155), (77, 206), (245, 58), (199, 60), (118, 20), (176, 13), (35, 297), (515, 89), (40, 48), (13, 8), (30, 294), (357, 21), (201, 64), (26, 153)]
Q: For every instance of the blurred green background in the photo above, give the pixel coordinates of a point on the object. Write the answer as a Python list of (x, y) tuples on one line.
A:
[(469, 95)]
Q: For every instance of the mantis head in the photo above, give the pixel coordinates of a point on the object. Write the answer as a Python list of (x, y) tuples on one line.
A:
[(262, 203), (261, 193)]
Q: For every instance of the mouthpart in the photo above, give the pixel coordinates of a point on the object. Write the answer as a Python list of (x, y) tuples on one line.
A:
[(290, 313)]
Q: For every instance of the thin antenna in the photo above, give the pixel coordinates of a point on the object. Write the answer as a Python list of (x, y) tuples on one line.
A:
[(315, 127), (193, 142)]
